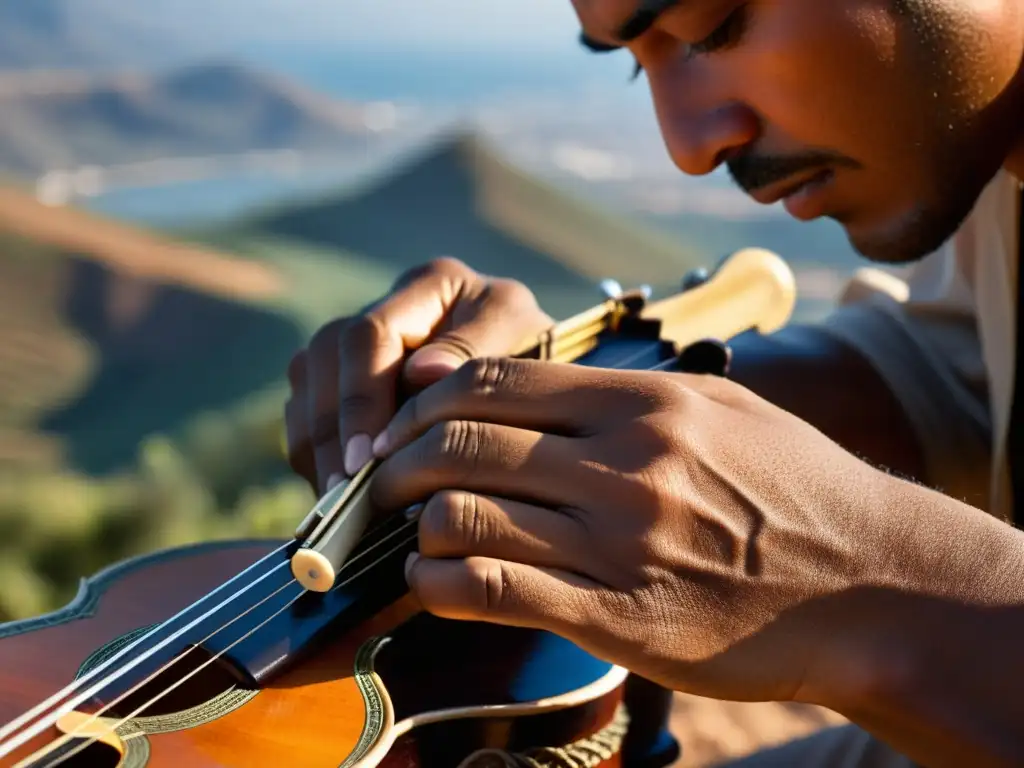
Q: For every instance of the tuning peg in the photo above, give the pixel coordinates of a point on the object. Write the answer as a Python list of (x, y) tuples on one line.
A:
[(694, 278), (709, 356), (610, 289)]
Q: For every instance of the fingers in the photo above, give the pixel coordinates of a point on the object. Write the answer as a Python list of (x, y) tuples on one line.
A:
[(489, 318), (370, 353), (300, 450), (460, 524), (561, 399), (482, 458), (352, 369), (444, 311), (321, 380), (447, 313), (502, 592)]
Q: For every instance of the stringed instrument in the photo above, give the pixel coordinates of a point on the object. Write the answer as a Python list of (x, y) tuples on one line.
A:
[(311, 652)]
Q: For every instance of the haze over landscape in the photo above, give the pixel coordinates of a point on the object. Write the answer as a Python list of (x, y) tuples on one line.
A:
[(190, 188), (513, 70)]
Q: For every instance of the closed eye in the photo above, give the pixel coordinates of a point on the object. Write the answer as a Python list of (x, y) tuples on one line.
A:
[(596, 46), (725, 35)]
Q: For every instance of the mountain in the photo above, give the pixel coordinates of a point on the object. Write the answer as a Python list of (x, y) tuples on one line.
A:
[(109, 335), (458, 196), (58, 121), (58, 34)]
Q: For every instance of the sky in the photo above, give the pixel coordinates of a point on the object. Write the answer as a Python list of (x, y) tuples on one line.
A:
[(511, 23), (461, 24)]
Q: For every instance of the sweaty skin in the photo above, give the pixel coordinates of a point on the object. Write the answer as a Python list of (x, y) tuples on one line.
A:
[(722, 537)]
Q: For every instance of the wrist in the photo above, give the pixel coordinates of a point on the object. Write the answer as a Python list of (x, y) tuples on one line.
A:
[(921, 647), (940, 686), (863, 650)]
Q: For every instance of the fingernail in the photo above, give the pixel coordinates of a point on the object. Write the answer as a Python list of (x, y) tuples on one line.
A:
[(413, 512), (380, 444), (357, 453), (333, 480), (410, 561), (438, 360)]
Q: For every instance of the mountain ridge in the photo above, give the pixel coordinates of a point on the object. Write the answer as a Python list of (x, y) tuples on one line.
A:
[(51, 121), (457, 195)]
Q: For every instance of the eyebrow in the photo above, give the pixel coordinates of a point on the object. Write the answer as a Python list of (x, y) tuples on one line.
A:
[(643, 19)]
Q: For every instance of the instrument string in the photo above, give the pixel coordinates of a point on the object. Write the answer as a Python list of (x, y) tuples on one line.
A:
[(345, 568), (41, 725), (22, 720), (18, 722), (6, 748), (44, 751), (67, 737)]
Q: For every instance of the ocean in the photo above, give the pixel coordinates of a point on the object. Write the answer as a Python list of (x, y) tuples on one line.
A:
[(453, 84), (443, 78), (445, 84)]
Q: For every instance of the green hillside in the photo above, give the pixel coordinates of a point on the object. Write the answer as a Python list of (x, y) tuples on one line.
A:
[(144, 379), (457, 197), (100, 360), (133, 415)]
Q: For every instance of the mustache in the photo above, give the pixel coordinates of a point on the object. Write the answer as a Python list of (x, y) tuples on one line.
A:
[(752, 172)]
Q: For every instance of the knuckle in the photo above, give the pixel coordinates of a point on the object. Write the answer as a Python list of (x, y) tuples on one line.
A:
[(448, 266), (451, 521), (665, 438), (486, 375), (355, 407), (363, 334), (323, 429), (506, 291), (488, 584), (662, 447), (734, 394), (438, 267), (326, 336), (671, 394), (456, 442)]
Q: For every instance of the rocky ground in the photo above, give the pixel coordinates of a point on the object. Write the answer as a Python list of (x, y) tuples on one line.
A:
[(713, 732)]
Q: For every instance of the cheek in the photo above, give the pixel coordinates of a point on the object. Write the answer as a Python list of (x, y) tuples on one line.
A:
[(823, 74)]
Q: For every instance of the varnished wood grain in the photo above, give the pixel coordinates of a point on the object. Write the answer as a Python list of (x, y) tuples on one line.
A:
[(313, 715), (310, 717), (45, 657)]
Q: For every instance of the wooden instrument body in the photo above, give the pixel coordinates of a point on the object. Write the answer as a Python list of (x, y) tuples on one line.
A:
[(357, 677), (401, 690)]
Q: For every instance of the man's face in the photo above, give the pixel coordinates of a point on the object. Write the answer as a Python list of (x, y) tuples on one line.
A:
[(896, 113)]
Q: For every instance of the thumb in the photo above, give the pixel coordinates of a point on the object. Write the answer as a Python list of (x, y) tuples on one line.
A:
[(435, 360), (497, 321)]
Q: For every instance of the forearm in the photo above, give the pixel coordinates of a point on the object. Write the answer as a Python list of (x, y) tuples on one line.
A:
[(818, 379), (930, 655)]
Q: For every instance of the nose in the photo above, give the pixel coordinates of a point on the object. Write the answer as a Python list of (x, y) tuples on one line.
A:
[(700, 131)]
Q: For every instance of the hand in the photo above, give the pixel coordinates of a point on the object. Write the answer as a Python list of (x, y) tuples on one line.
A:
[(345, 385), (677, 525)]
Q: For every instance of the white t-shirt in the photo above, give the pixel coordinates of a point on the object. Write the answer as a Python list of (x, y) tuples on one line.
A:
[(944, 341)]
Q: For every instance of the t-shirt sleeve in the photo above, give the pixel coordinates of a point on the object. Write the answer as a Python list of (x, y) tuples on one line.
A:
[(920, 334)]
